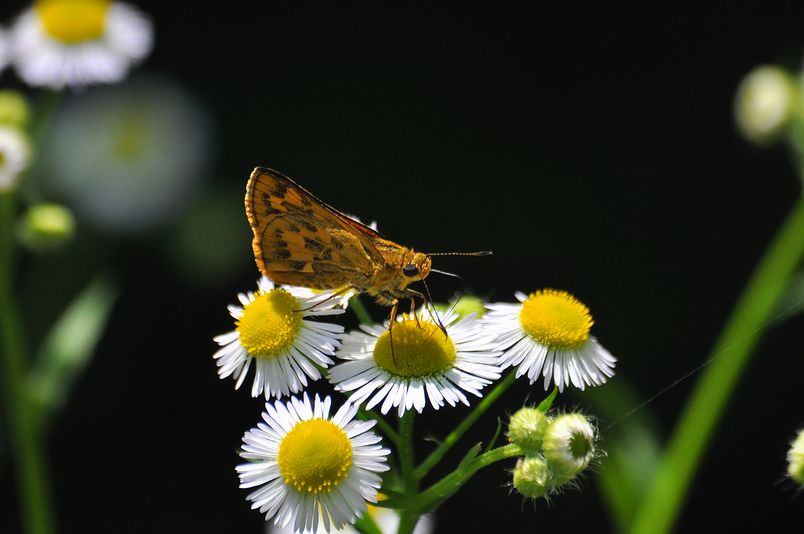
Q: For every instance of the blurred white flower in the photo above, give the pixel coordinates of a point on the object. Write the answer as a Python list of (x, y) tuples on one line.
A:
[(58, 43), (14, 156), (127, 157)]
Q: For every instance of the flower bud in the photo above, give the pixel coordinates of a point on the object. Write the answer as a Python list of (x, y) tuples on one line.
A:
[(526, 429), (764, 104), (795, 459), (46, 227), (569, 445), (532, 477), (14, 157), (14, 110)]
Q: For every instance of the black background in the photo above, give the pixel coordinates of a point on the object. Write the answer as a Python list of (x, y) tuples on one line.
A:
[(591, 150)]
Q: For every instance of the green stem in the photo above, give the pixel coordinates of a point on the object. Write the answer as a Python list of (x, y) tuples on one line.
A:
[(429, 499), (360, 310), (408, 515), (26, 442), (461, 429), (387, 429), (728, 360)]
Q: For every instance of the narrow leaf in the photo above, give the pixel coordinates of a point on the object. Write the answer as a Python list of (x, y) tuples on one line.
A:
[(69, 345), (548, 401)]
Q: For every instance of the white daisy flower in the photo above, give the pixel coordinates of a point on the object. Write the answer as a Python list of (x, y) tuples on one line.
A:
[(547, 334), (14, 156), (424, 363), (272, 331), (308, 468), (58, 43)]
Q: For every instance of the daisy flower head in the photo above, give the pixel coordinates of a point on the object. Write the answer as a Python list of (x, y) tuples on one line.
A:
[(273, 331), (15, 154), (309, 468), (422, 364), (547, 334), (58, 43)]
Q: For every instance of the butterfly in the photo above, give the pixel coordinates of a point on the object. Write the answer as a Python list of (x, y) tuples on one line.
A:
[(300, 240)]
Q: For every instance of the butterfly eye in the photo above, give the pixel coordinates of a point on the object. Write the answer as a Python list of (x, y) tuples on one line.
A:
[(410, 270)]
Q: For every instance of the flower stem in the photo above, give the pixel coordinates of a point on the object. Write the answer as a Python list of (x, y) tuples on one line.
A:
[(386, 429), (728, 360), (26, 441), (408, 515), (429, 499), (360, 310), (435, 456)]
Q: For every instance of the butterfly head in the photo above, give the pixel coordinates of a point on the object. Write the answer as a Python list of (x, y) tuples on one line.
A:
[(417, 267)]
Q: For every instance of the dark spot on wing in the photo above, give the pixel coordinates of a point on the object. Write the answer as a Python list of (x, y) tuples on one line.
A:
[(297, 265), (293, 228), (282, 254), (313, 244)]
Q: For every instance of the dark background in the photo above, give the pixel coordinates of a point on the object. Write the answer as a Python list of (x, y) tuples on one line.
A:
[(591, 150)]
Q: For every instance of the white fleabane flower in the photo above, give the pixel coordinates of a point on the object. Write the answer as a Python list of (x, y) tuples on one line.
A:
[(60, 43), (547, 334), (15, 154), (310, 469), (423, 364), (273, 331)]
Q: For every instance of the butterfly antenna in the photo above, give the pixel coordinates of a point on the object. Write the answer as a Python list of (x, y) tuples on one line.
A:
[(432, 310), (447, 274), (477, 253)]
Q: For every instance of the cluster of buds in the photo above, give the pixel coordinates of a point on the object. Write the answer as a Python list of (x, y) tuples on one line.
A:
[(557, 450)]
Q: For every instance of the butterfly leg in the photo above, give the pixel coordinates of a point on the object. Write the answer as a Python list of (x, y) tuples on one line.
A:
[(394, 309)]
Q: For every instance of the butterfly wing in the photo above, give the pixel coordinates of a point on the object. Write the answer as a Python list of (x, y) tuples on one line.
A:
[(302, 241)]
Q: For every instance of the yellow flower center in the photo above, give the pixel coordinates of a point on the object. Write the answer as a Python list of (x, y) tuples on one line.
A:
[(270, 323), (73, 21), (315, 456), (556, 318), (419, 350)]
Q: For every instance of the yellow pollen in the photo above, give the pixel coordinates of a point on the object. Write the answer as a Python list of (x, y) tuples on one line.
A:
[(73, 21), (270, 323), (315, 456), (556, 318), (419, 349)]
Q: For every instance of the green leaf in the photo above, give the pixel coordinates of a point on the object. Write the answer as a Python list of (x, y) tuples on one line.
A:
[(548, 401), (69, 345), (495, 437), (631, 444), (470, 455), (792, 301)]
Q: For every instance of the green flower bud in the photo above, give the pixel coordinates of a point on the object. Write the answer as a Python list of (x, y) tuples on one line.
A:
[(765, 103), (569, 445), (795, 459), (46, 227), (463, 306), (526, 429), (532, 477), (14, 110)]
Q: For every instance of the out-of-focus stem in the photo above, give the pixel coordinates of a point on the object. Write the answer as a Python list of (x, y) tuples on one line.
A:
[(26, 440)]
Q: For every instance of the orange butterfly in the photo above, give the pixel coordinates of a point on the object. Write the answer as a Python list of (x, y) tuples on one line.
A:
[(299, 240)]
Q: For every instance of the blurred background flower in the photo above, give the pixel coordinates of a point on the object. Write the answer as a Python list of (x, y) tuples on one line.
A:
[(58, 43), (127, 158)]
